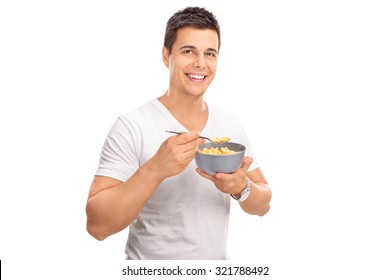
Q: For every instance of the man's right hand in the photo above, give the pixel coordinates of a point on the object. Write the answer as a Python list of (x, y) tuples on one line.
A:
[(175, 154)]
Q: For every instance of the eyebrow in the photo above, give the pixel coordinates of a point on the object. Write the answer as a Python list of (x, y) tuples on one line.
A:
[(193, 48)]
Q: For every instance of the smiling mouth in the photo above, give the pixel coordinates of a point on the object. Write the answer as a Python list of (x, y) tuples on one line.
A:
[(196, 77)]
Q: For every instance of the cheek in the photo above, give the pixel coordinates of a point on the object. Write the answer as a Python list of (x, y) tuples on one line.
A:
[(173, 65), (212, 65), (172, 70)]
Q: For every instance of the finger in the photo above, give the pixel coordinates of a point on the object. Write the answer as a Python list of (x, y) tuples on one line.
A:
[(190, 148), (188, 155), (187, 137), (204, 174), (244, 167), (221, 176), (246, 163)]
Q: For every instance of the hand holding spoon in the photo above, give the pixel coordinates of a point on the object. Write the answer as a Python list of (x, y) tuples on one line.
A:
[(213, 139)]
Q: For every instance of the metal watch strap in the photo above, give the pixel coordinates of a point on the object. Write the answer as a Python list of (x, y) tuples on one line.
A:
[(245, 193)]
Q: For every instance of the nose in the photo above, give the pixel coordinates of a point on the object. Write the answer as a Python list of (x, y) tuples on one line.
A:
[(200, 61)]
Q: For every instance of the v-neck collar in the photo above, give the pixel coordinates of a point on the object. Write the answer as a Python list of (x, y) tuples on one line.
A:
[(176, 125)]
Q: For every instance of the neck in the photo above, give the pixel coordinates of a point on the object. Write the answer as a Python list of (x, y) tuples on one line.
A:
[(190, 111)]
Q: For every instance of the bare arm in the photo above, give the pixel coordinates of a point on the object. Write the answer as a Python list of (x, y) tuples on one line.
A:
[(112, 205), (258, 202)]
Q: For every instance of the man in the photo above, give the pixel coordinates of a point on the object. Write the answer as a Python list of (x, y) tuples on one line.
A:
[(147, 180)]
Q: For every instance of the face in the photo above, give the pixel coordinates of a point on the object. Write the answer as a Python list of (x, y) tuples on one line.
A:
[(192, 62)]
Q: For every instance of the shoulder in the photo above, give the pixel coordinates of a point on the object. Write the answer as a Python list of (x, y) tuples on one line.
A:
[(130, 122), (140, 115), (139, 112)]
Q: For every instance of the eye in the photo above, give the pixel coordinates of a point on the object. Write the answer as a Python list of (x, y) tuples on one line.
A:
[(211, 54), (188, 51)]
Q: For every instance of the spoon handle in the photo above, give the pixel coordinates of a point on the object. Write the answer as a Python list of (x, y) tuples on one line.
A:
[(176, 132), (204, 137)]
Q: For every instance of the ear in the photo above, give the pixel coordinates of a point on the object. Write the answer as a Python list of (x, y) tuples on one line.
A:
[(165, 56)]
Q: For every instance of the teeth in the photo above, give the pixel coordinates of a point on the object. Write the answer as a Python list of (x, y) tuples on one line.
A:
[(198, 77)]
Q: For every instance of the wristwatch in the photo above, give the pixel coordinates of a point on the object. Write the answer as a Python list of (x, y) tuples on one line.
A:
[(245, 193)]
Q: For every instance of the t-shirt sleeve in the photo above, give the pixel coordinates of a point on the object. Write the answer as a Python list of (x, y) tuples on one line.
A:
[(118, 158)]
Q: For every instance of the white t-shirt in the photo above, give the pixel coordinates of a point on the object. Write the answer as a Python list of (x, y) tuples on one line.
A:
[(187, 216)]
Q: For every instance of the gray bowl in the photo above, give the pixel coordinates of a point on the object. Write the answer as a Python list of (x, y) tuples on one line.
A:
[(212, 164)]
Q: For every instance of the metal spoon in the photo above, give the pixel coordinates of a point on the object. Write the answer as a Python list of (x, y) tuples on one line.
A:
[(214, 139)]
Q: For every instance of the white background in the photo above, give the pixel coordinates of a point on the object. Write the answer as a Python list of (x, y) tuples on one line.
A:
[(319, 71)]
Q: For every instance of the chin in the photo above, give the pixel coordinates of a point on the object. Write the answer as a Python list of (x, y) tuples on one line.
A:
[(195, 94), (200, 91)]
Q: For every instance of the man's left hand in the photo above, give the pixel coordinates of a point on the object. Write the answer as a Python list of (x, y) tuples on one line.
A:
[(233, 183)]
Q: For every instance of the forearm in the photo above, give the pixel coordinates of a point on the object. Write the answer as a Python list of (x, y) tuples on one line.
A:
[(258, 202), (113, 205), (113, 209)]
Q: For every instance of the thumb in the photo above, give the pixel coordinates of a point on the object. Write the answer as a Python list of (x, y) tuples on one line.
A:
[(246, 162)]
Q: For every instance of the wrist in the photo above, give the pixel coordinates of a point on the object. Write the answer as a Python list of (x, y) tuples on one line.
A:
[(244, 194), (237, 195), (151, 173)]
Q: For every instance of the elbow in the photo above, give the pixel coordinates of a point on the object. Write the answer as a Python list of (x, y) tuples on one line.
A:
[(266, 206), (264, 211), (94, 231), (256, 211), (94, 228)]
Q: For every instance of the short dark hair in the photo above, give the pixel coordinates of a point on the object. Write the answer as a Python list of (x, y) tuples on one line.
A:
[(190, 17)]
